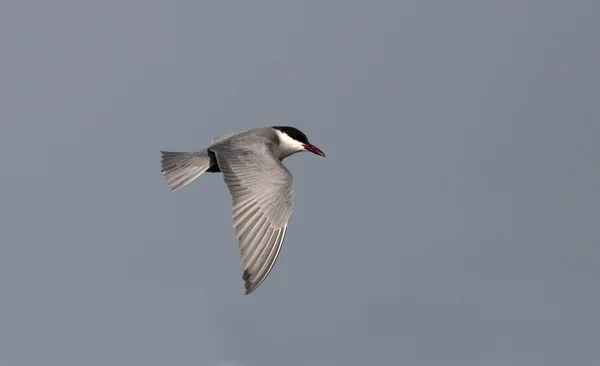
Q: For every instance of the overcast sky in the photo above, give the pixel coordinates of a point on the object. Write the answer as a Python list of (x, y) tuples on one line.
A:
[(455, 220)]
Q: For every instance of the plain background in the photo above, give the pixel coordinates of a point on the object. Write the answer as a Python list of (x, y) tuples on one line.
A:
[(455, 220)]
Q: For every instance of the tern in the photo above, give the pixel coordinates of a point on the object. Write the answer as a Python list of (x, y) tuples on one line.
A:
[(260, 185)]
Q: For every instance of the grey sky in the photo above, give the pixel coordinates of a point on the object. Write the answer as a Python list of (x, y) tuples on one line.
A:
[(454, 221)]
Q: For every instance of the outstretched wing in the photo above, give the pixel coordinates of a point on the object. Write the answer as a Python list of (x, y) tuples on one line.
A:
[(262, 191)]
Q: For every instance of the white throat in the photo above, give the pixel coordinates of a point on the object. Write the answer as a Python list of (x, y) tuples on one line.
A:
[(287, 145)]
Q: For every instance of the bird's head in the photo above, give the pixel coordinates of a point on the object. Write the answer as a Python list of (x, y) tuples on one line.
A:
[(292, 140)]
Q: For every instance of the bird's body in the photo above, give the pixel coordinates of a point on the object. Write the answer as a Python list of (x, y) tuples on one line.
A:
[(260, 185)]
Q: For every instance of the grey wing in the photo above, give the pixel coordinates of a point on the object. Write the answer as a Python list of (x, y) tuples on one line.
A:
[(262, 192), (218, 139)]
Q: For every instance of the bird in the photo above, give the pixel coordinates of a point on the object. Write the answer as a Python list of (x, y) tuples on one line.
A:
[(260, 185)]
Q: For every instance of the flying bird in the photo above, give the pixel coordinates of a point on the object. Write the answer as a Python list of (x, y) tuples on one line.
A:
[(260, 185)]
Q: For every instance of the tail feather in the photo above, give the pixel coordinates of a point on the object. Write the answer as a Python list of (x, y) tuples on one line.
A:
[(180, 168)]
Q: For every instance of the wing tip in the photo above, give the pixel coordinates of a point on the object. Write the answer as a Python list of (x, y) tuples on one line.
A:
[(249, 288), (252, 286), (247, 284)]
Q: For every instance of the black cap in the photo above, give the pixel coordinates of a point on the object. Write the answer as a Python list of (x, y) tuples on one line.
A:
[(294, 133)]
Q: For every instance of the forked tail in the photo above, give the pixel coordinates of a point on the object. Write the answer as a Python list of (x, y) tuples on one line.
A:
[(180, 168)]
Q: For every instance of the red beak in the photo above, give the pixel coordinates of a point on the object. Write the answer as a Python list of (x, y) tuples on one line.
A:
[(313, 149)]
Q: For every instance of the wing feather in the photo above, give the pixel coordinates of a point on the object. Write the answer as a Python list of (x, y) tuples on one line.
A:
[(262, 192)]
